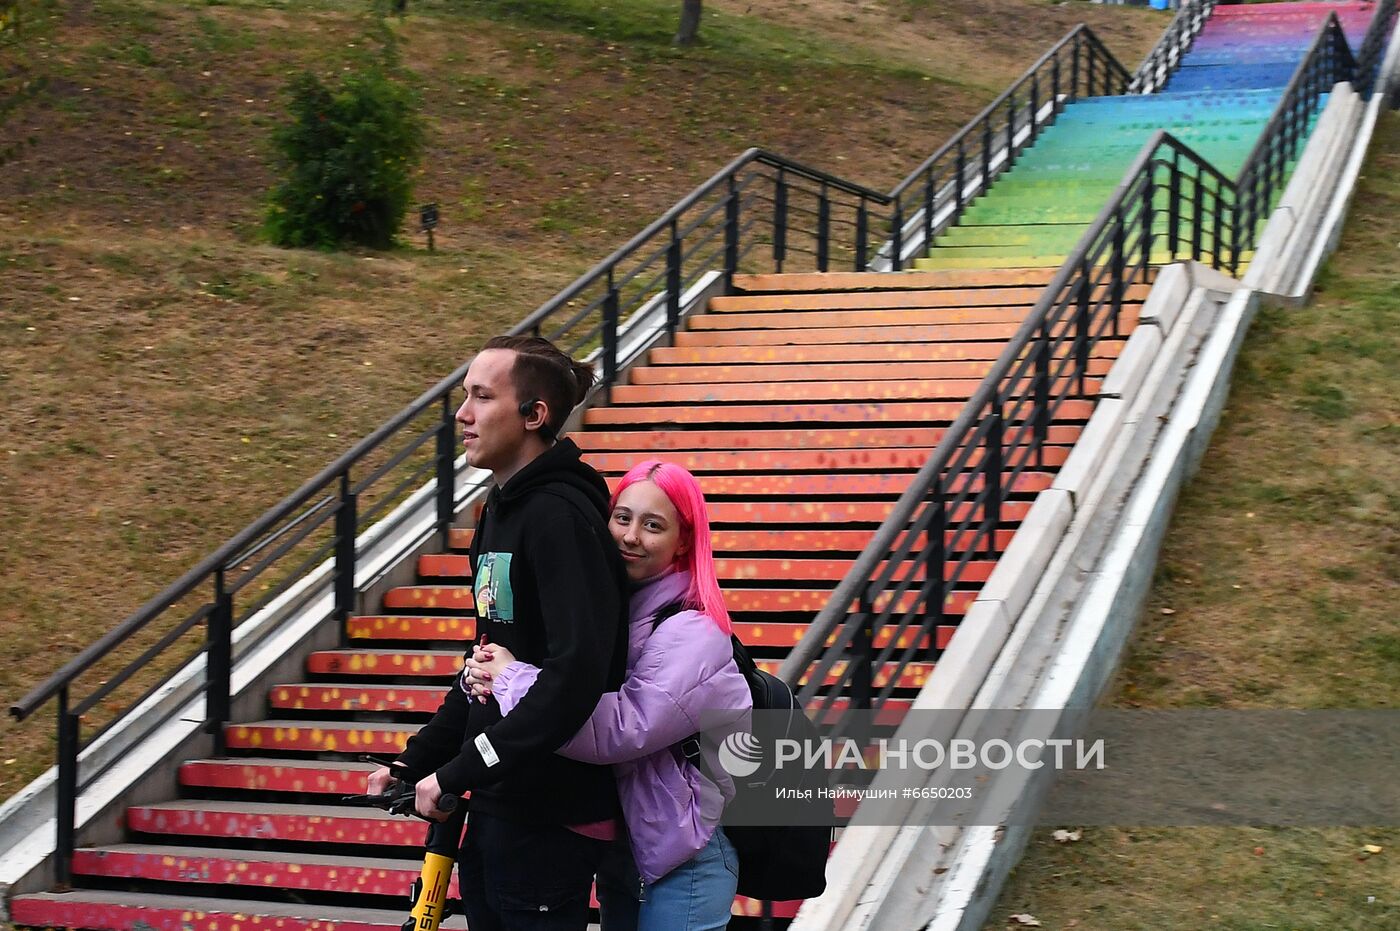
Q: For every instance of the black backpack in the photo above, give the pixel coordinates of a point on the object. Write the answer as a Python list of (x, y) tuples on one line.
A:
[(783, 861)]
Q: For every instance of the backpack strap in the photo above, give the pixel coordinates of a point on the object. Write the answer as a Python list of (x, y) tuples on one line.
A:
[(690, 746)]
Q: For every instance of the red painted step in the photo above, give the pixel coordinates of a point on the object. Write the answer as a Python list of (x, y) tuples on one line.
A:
[(260, 869), (867, 371), (321, 736), (145, 911), (786, 541), (852, 413), (271, 821), (356, 696), (321, 777), (660, 442), (842, 355), (413, 627)]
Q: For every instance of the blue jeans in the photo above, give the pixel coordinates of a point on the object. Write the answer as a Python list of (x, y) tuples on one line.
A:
[(695, 896)]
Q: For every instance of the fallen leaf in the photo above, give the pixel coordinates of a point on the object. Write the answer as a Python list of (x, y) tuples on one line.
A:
[(1169, 610), (1025, 918), (1258, 851), (1372, 848), (1067, 837)]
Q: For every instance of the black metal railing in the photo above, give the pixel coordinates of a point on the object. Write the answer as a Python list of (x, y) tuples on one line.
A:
[(913, 577), (935, 194), (1161, 62), (762, 212), (1265, 170), (1372, 47)]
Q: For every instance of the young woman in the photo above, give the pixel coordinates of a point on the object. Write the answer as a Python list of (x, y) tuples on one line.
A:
[(681, 680)]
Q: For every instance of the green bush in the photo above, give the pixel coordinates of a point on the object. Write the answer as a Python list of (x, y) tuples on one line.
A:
[(348, 157)]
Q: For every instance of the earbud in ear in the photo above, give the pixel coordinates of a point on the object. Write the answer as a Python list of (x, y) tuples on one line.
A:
[(528, 407)]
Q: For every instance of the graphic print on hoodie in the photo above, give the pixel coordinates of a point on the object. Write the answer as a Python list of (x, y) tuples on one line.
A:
[(494, 599)]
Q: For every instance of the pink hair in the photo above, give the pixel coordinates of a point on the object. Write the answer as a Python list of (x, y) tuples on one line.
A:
[(684, 492)]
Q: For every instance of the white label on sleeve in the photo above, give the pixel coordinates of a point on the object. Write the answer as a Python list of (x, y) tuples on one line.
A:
[(488, 752)]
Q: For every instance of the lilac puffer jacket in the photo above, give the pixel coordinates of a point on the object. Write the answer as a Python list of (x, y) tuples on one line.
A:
[(678, 676)]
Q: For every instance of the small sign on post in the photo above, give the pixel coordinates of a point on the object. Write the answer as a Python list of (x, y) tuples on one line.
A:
[(428, 217)]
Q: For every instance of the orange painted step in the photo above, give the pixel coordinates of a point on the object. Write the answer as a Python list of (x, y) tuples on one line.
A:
[(660, 442), (763, 317), (912, 676), (844, 355), (272, 821), (320, 777), (430, 597), (320, 736), (759, 540), (763, 461), (869, 413), (407, 663), (858, 303), (409, 627), (798, 372), (727, 568), (885, 281), (350, 696), (746, 392), (933, 333)]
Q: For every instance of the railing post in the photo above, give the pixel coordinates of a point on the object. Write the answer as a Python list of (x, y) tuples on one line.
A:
[(1035, 104), (1116, 269), (960, 186), (986, 155), (991, 473), (1218, 250), (863, 654), (1010, 131), (1042, 394), (610, 322), (1089, 71), (897, 237), (673, 281), (823, 229), (1173, 209), (1149, 192), (1055, 83), (446, 468), (66, 816), (862, 233), (345, 526), (219, 656), (1198, 219), (1074, 71), (780, 211), (731, 234), (1081, 326), (930, 195), (936, 565)]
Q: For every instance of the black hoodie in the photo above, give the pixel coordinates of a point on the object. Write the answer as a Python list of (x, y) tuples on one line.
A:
[(550, 587)]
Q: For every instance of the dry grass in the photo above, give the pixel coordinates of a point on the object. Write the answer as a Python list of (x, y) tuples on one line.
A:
[(167, 377), (1282, 570)]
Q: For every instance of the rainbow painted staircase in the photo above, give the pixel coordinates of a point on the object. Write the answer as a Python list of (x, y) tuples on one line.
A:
[(806, 403), (1218, 102)]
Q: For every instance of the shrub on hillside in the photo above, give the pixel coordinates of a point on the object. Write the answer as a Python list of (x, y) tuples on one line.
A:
[(348, 157)]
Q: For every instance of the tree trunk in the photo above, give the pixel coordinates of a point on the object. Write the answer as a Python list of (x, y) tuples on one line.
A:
[(690, 23)]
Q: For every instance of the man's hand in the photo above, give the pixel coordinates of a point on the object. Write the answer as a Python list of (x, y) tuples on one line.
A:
[(377, 783), (425, 799)]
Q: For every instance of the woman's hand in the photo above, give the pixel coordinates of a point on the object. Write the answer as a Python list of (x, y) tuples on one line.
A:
[(485, 663)]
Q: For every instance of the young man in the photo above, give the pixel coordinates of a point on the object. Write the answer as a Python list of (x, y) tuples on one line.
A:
[(550, 586)]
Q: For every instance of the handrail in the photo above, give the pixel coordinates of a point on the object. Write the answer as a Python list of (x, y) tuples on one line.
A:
[(1327, 61), (987, 145), (725, 219), (1368, 55), (1176, 41), (1208, 190), (923, 546)]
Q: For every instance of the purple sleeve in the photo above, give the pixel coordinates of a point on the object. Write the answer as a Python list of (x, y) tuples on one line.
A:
[(512, 683)]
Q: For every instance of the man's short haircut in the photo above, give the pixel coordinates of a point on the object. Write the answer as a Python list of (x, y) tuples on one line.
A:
[(543, 371)]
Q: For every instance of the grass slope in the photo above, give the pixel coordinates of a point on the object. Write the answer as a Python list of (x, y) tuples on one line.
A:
[(166, 377), (1276, 588)]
